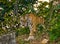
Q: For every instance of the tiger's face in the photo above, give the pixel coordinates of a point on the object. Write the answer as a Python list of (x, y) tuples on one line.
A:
[(23, 21)]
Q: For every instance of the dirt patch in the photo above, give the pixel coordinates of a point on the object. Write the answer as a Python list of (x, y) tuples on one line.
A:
[(38, 39)]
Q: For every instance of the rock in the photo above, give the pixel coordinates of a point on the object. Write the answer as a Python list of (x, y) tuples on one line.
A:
[(8, 38)]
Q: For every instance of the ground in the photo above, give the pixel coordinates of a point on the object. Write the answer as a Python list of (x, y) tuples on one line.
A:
[(38, 39)]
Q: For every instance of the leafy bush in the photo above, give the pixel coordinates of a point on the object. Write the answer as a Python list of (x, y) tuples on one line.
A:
[(54, 34), (39, 28), (22, 31), (54, 31)]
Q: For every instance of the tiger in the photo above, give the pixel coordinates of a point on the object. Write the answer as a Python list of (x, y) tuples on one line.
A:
[(31, 20)]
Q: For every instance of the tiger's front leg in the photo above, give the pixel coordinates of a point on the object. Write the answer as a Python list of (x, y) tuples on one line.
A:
[(32, 33)]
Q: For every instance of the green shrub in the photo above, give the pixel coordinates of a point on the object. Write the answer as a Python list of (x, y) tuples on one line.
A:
[(54, 33), (22, 31), (39, 28)]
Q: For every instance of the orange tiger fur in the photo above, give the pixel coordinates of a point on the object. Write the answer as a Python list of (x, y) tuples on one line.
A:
[(35, 20)]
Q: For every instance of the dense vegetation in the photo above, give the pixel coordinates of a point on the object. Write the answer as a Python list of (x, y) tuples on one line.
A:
[(13, 9)]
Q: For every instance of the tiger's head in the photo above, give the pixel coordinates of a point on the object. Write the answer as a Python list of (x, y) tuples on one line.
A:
[(23, 21)]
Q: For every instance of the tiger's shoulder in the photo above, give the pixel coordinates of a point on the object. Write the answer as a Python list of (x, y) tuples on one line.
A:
[(37, 19)]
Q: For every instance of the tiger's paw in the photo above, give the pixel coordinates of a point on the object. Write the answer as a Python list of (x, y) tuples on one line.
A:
[(30, 38)]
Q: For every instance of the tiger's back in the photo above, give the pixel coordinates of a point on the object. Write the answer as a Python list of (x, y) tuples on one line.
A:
[(35, 19)]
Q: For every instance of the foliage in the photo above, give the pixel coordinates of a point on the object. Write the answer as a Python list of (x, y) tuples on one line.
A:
[(9, 20), (22, 31)]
